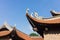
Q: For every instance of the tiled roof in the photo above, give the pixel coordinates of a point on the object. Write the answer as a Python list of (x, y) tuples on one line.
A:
[(48, 21), (37, 38), (23, 35), (7, 26), (54, 13), (19, 34), (4, 33)]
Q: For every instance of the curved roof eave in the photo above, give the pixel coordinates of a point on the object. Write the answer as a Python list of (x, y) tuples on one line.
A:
[(54, 13), (23, 35), (4, 33), (53, 20)]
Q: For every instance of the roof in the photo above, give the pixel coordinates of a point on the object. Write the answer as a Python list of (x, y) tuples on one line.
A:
[(53, 20), (13, 29), (7, 26), (23, 35), (4, 33), (20, 34), (54, 13), (37, 38)]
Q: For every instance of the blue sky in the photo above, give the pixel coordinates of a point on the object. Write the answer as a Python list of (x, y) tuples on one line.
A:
[(14, 11)]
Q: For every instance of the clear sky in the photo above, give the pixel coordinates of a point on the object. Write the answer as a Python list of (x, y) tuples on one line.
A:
[(14, 11)]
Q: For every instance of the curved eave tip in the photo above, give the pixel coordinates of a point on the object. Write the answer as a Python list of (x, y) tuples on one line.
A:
[(26, 14), (27, 10), (53, 11)]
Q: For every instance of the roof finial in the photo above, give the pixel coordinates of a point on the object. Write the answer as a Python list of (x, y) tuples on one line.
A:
[(35, 14), (32, 14), (8, 26), (53, 11), (27, 10)]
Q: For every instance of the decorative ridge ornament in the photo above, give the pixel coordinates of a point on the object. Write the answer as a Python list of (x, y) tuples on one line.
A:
[(8, 26), (27, 10), (54, 13)]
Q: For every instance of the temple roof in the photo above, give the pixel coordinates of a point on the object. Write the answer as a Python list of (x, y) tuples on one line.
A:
[(19, 33), (7, 26), (54, 13), (37, 38), (44, 25), (39, 19), (53, 20), (4, 33), (23, 35), (8, 32)]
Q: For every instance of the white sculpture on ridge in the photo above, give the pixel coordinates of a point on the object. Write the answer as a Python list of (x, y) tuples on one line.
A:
[(27, 10), (8, 26), (32, 14), (36, 15), (53, 11)]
